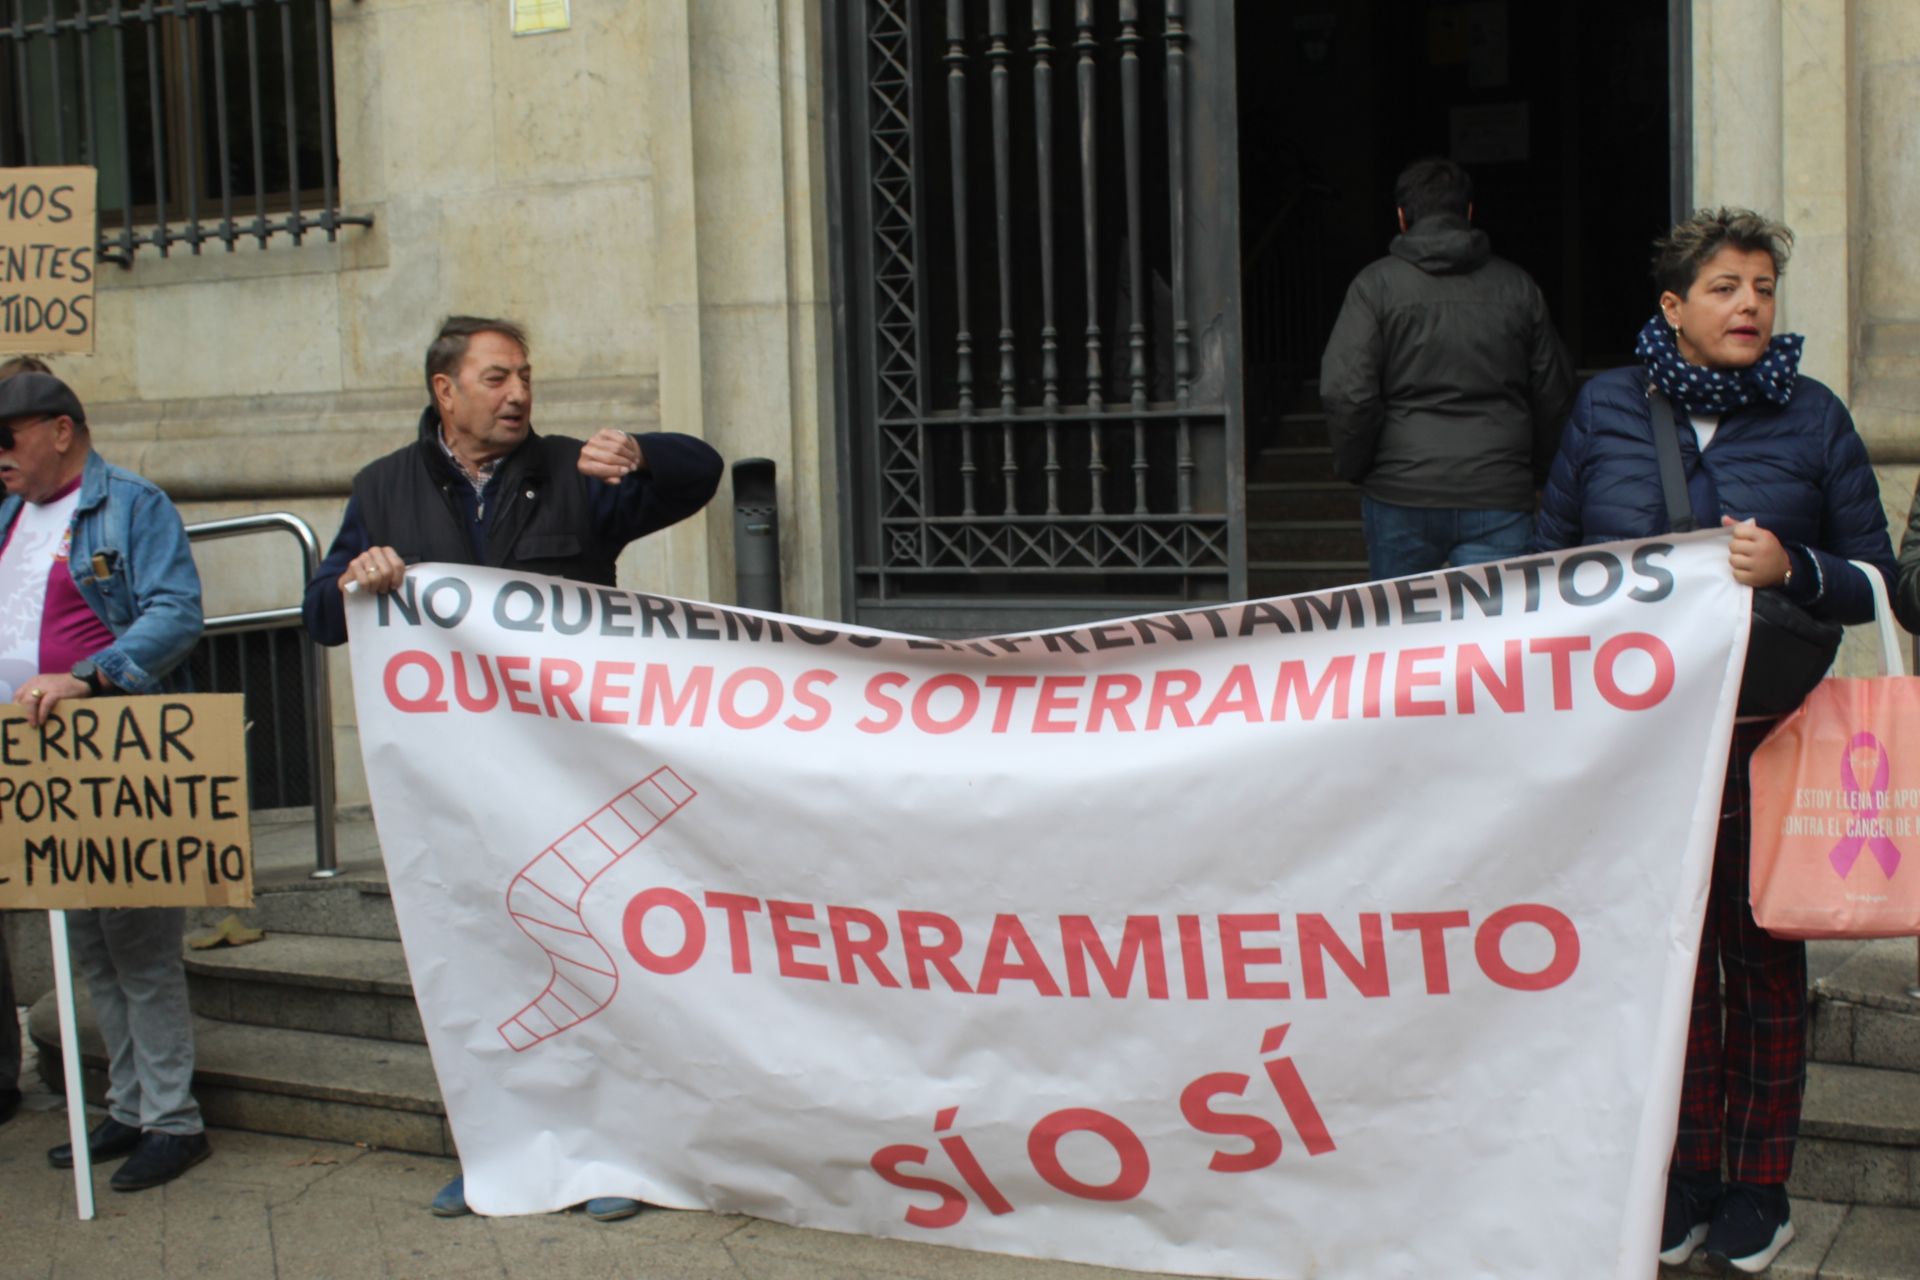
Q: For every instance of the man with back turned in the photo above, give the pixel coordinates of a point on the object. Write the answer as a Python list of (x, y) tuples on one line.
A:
[(1445, 387)]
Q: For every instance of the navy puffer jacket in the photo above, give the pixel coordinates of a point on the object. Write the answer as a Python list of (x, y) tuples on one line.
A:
[(1800, 470)]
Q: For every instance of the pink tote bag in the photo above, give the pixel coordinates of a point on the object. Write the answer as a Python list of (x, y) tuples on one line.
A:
[(1836, 805)]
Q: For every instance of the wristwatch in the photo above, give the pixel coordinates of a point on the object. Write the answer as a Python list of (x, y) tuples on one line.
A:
[(88, 673)]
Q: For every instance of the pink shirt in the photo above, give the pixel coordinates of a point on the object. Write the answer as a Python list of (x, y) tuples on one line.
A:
[(69, 630)]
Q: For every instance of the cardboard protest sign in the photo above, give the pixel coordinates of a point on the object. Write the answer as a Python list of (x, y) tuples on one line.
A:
[(47, 229), (126, 802), (1350, 934)]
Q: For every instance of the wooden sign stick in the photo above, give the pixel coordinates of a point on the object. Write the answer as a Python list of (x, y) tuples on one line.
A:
[(70, 1065)]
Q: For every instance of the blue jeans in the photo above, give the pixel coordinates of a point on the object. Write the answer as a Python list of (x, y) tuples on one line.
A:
[(1406, 540)]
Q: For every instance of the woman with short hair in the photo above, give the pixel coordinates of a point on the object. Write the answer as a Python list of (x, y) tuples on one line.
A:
[(1771, 455)]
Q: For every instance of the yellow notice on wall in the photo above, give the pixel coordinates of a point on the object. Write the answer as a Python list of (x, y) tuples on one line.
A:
[(537, 17), (46, 259), (126, 802)]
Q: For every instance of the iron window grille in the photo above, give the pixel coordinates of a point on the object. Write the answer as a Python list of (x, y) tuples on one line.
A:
[(1037, 400), (210, 121)]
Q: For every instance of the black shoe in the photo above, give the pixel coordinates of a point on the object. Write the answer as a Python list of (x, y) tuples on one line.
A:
[(108, 1140), (1691, 1200), (1752, 1224), (160, 1157), (9, 1104)]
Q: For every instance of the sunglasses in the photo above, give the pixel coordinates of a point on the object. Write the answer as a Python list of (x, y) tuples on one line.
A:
[(7, 429)]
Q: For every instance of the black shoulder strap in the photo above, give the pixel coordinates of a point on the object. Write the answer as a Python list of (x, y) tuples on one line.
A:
[(1673, 476)]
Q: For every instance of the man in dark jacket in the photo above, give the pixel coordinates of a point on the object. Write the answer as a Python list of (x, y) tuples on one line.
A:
[(1445, 386), (480, 487)]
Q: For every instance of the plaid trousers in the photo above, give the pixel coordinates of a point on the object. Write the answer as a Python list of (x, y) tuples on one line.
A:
[(1747, 1040)]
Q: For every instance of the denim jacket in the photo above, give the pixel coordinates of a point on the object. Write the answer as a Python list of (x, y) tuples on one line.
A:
[(149, 595)]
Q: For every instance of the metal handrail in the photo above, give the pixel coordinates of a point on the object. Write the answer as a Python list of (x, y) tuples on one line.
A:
[(319, 695)]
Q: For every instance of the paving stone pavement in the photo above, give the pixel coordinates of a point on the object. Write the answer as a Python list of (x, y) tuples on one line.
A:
[(292, 1209), (271, 1208)]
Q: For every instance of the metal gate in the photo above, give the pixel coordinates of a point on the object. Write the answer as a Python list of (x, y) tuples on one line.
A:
[(1035, 243)]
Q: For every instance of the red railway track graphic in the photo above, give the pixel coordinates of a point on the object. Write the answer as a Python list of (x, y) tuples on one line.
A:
[(544, 900)]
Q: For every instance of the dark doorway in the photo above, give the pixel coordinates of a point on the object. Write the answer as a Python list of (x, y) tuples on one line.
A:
[(1036, 264), (1559, 111)]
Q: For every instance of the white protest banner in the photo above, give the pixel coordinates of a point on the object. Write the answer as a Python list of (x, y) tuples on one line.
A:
[(1347, 934)]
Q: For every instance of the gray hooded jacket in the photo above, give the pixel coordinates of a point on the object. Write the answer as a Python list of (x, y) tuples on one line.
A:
[(1444, 382)]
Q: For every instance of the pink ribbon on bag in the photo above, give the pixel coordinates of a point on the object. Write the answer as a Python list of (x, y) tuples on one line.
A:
[(1847, 852)]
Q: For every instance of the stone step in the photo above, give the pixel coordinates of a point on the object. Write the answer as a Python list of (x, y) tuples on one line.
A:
[(1295, 429), (306, 1084), (1862, 1014), (1837, 1242), (1302, 500), (1293, 577), (356, 905), (1859, 1137), (1319, 540), (309, 982), (1301, 463)]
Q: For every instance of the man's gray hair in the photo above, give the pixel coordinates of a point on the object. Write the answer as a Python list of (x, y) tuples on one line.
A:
[(449, 346)]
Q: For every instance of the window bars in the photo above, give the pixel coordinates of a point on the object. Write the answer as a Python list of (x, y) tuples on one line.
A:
[(210, 121), (1034, 403)]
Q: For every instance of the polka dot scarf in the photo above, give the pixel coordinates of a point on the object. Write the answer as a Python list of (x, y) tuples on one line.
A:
[(1696, 389)]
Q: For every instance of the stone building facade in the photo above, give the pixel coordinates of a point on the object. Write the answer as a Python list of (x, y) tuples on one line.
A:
[(648, 190)]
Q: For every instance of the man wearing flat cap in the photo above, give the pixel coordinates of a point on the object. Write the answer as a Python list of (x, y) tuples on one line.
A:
[(99, 597)]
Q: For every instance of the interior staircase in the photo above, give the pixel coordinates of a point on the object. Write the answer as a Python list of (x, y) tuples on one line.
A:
[(1303, 526)]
